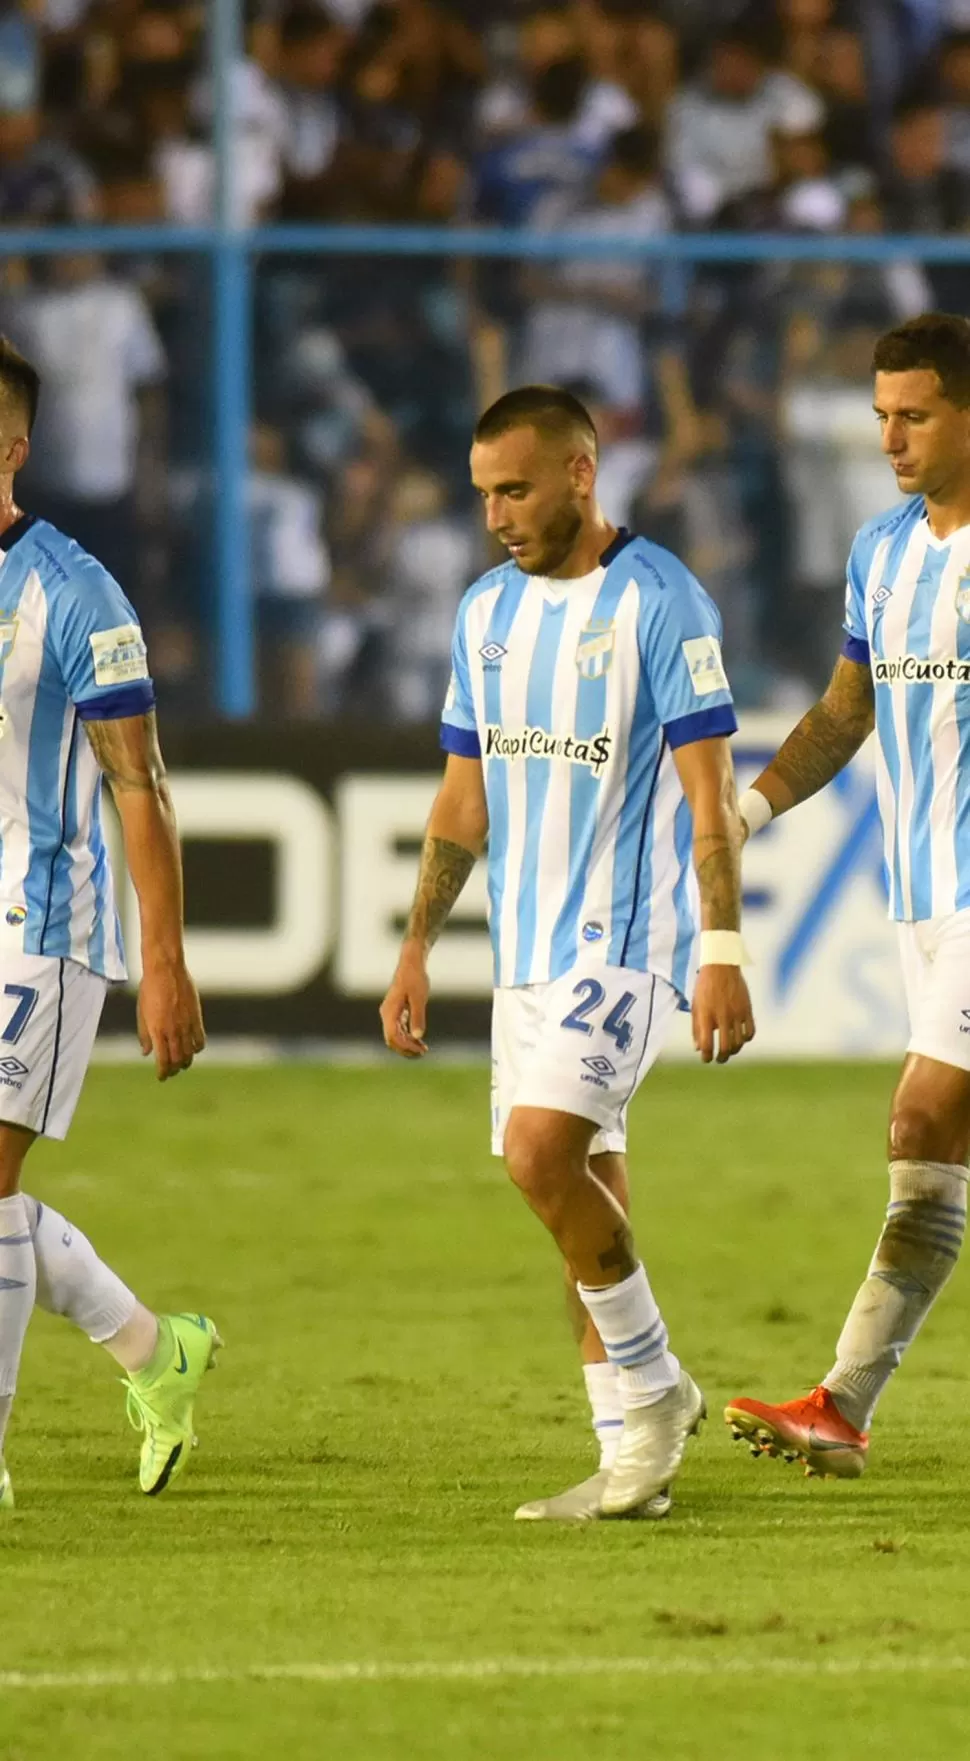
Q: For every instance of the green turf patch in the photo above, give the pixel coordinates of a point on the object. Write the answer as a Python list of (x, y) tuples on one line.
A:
[(398, 1377)]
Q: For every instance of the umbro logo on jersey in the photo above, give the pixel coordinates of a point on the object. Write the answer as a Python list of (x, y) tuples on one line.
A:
[(881, 595), (492, 652), (965, 1024)]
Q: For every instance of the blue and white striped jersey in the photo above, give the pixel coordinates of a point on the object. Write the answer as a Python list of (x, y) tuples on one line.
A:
[(908, 617), (70, 651), (574, 694)]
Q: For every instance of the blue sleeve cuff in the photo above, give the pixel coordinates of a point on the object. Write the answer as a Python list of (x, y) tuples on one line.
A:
[(855, 649), (117, 705), (701, 724), (463, 741)]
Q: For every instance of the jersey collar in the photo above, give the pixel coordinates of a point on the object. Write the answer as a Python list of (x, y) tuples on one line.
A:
[(614, 547), (18, 530)]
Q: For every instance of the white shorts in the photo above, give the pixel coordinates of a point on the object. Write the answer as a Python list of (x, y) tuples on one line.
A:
[(936, 976), (580, 1044), (49, 1014)]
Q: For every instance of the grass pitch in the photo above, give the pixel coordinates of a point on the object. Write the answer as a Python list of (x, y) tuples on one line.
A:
[(398, 1377)]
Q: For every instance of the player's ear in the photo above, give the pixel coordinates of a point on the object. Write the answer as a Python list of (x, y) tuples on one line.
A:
[(583, 473), (16, 454)]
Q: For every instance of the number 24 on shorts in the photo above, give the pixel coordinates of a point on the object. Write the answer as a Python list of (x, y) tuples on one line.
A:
[(593, 996)]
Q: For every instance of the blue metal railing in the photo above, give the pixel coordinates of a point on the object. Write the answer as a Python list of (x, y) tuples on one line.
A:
[(233, 249)]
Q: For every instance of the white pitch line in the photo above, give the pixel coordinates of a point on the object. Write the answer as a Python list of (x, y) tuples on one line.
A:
[(489, 1669)]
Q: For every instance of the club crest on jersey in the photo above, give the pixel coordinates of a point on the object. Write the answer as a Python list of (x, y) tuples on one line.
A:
[(594, 650), (962, 600), (8, 636)]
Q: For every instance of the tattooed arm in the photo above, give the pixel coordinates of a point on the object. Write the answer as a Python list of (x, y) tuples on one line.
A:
[(824, 741), (454, 839), (721, 1004), (169, 1016)]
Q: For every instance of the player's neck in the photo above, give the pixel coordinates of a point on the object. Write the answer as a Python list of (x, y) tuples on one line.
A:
[(585, 555), (10, 513), (946, 517)]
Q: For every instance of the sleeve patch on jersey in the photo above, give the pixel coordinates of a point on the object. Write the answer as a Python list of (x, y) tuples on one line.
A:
[(119, 655), (704, 663)]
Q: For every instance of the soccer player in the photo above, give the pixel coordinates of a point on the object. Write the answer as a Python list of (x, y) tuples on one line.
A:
[(75, 702), (904, 670), (586, 730)]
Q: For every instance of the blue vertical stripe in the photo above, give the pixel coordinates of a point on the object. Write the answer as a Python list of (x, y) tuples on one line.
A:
[(16, 568), (538, 714), (496, 769), (961, 830), (919, 710), (633, 862), (584, 787), (683, 908)]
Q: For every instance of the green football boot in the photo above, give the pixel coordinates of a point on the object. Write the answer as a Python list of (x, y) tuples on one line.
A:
[(6, 1490), (160, 1401)]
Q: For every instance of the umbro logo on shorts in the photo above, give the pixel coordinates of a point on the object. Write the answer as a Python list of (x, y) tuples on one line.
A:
[(12, 1072), (599, 1065)]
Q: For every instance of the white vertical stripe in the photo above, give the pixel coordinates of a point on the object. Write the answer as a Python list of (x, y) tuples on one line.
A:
[(515, 689), (20, 677), (945, 739), (553, 854), (622, 684), (82, 855), (895, 624), (477, 619), (884, 789)]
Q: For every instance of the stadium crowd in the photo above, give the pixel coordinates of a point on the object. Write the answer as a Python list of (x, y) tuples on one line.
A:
[(733, 401)]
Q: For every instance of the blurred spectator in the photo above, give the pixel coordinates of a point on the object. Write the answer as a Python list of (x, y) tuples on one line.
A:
[(19, 58), (181, 155), (291, 570), (924, 193), (41, 181), (311, 50), (955, 79), (431, 561), (353, 634), (97, 468), (585, 317), (839, 73), (547, 156), (586, 33), (720, 130)]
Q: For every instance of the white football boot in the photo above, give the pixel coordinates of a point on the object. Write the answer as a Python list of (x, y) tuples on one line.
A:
[(652, 1445), (581, 1504)]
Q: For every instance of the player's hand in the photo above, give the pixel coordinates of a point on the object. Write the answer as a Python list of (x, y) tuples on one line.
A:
[(169, 1018), (404, 1010), (721, 1013)]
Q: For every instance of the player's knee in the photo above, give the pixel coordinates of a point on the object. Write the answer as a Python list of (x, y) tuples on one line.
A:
[(536, 1162), (918, 1134)]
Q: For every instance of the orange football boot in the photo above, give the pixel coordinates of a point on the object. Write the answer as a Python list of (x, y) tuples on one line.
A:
[(811, 1430)]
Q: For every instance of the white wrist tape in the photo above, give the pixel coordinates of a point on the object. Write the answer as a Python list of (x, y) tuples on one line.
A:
[(722, 947), (755, 810)]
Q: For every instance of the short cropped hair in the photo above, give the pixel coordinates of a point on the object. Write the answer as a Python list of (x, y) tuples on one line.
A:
[(938, 341), (555, 413), (19, 381)]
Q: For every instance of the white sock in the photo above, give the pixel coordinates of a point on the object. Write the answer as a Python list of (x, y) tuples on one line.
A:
[(916, 1253), (72, 1281), (628, 1321), (18, 1284), (606, 1407)]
